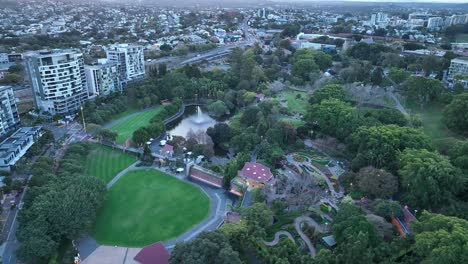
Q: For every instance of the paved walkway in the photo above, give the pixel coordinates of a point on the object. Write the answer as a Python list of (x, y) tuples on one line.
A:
[(120, 174), (277, 236), (398, 104), (297, 225), (327, 180), (310, 221)]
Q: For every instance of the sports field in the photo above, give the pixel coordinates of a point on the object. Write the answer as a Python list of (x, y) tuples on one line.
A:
[(104, 162), (146, 206), (126, 127)]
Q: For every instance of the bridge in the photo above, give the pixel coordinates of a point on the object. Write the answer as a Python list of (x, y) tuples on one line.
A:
[(180, 112)]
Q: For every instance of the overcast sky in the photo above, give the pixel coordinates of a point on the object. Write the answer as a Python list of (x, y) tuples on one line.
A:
[(400, 1)]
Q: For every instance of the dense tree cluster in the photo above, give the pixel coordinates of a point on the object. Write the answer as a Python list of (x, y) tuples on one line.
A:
[(455, 114), (59, 206)]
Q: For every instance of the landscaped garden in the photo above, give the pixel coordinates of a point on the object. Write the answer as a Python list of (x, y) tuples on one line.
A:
[(104, 162), (146, 206), (126, 127)]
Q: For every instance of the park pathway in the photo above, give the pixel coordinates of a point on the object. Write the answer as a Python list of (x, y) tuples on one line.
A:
[(277, 236), (311, 222), (122, 173), (297, 225)]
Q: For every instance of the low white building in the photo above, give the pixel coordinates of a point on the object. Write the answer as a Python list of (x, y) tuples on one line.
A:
[(458, 66), (15, 146)]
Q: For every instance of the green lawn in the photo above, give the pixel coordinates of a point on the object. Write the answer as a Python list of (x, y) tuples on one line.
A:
[(126, 127), (463, 38), (295, 122), (431, 115), (104, 162), (297, 101), (125, 113), (146, 206)]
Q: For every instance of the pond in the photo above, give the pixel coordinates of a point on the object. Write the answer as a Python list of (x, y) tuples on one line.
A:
[(194, 119)]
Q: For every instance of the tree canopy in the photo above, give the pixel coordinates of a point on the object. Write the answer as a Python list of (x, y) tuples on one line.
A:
[(334, 117), (379, 146), (208, 247), (430, 179), (456, 114), (441, 239)]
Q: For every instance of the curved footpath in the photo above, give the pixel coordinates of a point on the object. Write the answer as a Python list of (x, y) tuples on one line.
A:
[(218, 203), (311, 222), (297, 225), (277, 236)]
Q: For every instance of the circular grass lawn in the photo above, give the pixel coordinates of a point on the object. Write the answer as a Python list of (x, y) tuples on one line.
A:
[(147, 206)]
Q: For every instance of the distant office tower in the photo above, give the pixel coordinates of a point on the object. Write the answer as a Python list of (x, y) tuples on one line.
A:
[(130, 59), (435, 23), (458, 66), (58, 80), (103, 78), (9, 117)]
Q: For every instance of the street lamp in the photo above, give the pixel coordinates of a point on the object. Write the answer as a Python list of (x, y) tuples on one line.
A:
[(82, 116)]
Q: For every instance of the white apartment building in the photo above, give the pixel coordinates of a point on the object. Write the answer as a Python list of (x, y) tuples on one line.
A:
[(456, 20), (58, 80), (378, 18), (103, 78), (435, 23), (4, 58), (130, 59), (15, 146), (9, 117), (458, 66)]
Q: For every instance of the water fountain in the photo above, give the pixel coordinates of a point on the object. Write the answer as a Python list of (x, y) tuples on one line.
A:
[(199, 118), (195, 122)]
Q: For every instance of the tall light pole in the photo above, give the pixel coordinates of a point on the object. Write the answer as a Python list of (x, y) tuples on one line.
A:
[(82, 116)]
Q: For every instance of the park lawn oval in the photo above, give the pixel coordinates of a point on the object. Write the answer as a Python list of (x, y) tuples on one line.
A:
[(147, 206)]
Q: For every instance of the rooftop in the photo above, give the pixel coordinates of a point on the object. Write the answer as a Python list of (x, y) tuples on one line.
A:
[(167, 148), (153, 254), (257, 172)]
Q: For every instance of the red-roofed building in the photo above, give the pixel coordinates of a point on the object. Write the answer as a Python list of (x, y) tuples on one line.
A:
[(153, 254), (255, 174), (260, 96), (167, 151)]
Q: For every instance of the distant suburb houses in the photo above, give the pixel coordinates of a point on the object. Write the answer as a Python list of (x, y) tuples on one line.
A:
[(15, 146)]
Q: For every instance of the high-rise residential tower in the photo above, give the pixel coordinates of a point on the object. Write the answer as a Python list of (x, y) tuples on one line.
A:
[(130, 59), (58, 80), (9, 117)]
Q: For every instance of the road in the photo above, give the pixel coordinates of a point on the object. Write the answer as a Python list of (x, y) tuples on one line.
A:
[(9, 256), (213, 54)]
